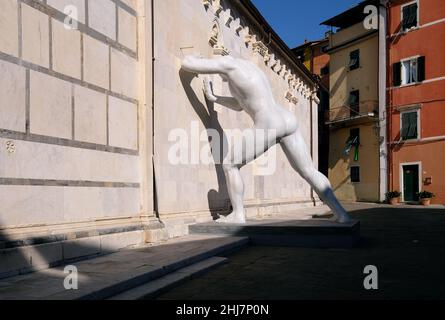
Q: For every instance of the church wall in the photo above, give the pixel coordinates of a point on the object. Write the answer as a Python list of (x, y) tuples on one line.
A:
[(75, 136), (190, 192)]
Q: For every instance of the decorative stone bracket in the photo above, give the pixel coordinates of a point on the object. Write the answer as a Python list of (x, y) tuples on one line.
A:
[(216, 43)]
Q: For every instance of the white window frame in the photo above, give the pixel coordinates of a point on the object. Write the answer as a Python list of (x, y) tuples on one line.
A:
[(402, 73), (418, 14), (419, 164), (416, 109), (359, 173)]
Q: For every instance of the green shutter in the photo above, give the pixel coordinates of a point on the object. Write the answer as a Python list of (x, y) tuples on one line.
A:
[(409, 16), (409, 125), (405, 126), (397, 74), (406, 13), (421, 69), (412, 133)]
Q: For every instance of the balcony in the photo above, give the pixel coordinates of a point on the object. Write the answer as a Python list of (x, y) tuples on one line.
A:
[(365, 110)]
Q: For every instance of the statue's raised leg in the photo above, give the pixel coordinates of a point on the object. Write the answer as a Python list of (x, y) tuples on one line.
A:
[(296, 151)]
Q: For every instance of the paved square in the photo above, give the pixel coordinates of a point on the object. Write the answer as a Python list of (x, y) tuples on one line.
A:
[(405, 243)]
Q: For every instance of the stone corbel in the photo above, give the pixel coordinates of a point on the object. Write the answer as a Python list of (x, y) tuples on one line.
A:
[(214, 41), (228, 18), (252, 39), (214, 36), (283, 71), (277, 68), (306, 92), (206, 3), (286, 74), (248, 38), (289, 96), (291, 78), (220, 50), (259, 47), (294, 100), (217, 7), (300, 85), (237, 25), (271, 60)]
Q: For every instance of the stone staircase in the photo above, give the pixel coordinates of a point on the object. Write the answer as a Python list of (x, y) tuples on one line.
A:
[(128, 274)]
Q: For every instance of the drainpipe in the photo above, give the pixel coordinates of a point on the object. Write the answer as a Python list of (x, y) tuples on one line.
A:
[(383, 115), (389, 108)]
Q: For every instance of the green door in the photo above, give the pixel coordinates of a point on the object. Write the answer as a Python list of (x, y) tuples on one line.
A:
[(410, 182)]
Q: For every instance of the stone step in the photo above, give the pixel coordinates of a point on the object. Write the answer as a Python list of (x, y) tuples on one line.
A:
[(156, 287), (110, 275), (317, 233), (22, 257)]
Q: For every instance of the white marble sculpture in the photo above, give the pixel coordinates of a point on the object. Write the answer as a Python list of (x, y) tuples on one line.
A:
[(252, 93)]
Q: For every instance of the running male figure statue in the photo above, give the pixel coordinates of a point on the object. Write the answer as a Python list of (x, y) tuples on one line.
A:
[(252, 93)]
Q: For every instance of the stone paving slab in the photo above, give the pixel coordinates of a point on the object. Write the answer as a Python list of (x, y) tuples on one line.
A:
[(110, 275)]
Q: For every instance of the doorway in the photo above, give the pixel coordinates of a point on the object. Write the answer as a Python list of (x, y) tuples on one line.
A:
[(410, 182)]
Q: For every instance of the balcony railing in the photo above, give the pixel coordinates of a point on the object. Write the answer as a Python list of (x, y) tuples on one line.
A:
[(365, 109)]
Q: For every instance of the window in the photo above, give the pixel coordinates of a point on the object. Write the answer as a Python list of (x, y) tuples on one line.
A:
[(409, 71), (409, 127), (354, 102), (324, 70), (353, 142), (410, 17), (355, 135), (355, 174), (354, 60)]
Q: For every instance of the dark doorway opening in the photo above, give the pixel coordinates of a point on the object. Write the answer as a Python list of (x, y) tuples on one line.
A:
[(410, 182)]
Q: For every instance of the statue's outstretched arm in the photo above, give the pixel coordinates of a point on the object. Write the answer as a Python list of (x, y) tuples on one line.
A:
[(200, 65), (229, 102)]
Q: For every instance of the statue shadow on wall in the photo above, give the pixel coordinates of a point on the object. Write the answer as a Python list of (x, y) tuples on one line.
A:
[(218, 200)]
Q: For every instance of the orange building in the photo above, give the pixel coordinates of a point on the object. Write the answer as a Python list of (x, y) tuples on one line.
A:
[(416, 97)]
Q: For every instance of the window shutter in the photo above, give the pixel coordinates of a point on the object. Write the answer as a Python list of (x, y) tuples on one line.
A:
[(412, 134), (413, 20), (406, 17), (405, 126), (397, 74), (421, 69), (409, 16)]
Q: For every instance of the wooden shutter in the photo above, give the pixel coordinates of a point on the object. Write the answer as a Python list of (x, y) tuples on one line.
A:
[(405, 126), (412, 133), (406, 16), (409, 125), (397, 74), (413, 15), (409, 16), (421, 69)]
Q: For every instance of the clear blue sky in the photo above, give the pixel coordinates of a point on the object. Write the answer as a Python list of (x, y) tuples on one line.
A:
[(297, 20)]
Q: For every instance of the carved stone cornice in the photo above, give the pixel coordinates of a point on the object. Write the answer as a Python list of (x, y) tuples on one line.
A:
[(225, 16)]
